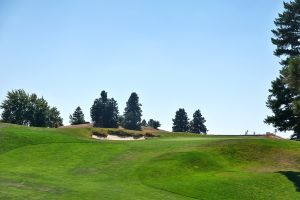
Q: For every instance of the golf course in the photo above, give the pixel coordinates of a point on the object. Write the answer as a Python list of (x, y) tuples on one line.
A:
[(66, 163)]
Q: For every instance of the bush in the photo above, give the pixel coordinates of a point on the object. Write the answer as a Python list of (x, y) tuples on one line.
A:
[(151, 135), (154, 124), (137, 135), (99, 133)]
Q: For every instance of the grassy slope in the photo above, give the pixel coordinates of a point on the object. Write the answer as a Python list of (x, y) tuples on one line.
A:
[(38, 163)]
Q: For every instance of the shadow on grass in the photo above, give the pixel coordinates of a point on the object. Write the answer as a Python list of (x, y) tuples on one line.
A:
[(293, 177)]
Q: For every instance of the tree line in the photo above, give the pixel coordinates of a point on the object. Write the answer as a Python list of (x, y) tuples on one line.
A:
[(181, 122), (105, 113), (284, 98), (22, 108)]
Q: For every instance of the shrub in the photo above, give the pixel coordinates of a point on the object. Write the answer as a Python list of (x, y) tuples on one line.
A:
[(99, 133), (151, 135)]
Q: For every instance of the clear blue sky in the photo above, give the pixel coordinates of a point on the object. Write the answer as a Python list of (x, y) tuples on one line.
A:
[(213, 55)]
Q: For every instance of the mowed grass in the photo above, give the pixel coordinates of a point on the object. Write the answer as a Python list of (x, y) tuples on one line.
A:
[(38, 163)]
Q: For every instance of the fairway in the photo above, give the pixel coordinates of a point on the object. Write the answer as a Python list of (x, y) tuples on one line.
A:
[(38, 163)]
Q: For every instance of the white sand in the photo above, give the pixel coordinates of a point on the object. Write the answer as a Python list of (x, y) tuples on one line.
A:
[(115, 137)]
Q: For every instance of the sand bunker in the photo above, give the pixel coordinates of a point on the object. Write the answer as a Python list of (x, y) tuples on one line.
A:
[(115, 137)]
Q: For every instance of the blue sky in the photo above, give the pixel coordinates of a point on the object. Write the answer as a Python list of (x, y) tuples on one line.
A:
[(215, 56)]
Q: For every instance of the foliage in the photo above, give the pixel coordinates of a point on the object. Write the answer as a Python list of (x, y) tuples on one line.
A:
[(121, 120), (284, 100), (286, 35), (104, 112), (54, 118), (292, 78), (77, 117), (292, 74), (280, 101), (99, 133), (27, 109), (144, 123), (15, 108), (181, 121), (133, 113), (154, 124), (197, 124)]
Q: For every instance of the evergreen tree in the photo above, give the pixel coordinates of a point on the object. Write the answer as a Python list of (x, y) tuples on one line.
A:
[(133, 113), (144, 123), (154, 124), (292, 78), (121, 120), (197, 124), (77, 117), (104, 112), (280, 101), (181, 121), (112, 111), (287, 32), (284, 100), (292, 74), (98, 110), (55, 120)]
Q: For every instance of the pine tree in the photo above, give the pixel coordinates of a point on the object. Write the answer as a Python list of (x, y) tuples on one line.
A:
[(112, 116), (55, 120), (197, 124), (144, 123), (133, 113), (121, 120), (287, 32), (104, 112), (283, 100), (280, 101), (77, 117), (181, 121), (292, 79), (292, 74)]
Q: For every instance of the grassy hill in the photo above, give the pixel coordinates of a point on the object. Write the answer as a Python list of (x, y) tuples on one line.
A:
[(38, 163)]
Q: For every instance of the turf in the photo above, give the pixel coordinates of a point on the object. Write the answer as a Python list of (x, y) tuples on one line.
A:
[(38, 163)]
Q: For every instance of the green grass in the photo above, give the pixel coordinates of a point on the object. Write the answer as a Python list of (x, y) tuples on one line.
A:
[(38, 163)]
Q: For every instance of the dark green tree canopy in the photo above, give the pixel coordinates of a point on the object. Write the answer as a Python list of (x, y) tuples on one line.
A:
[(197, 125), (181, 121), (133, 113), (15, 108), (284, 100), (280, 101), (104, 112), (292, 79), (77, 117), (292, 74), (287, 32), (121, 120), (144, 123), (153, 123), (54, 118), (27, 109)]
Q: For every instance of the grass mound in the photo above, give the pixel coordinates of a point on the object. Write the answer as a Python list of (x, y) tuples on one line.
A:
[(38, 163), (231, 169)]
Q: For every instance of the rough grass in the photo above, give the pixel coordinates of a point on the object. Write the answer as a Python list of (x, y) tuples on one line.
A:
[(37, 163)]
